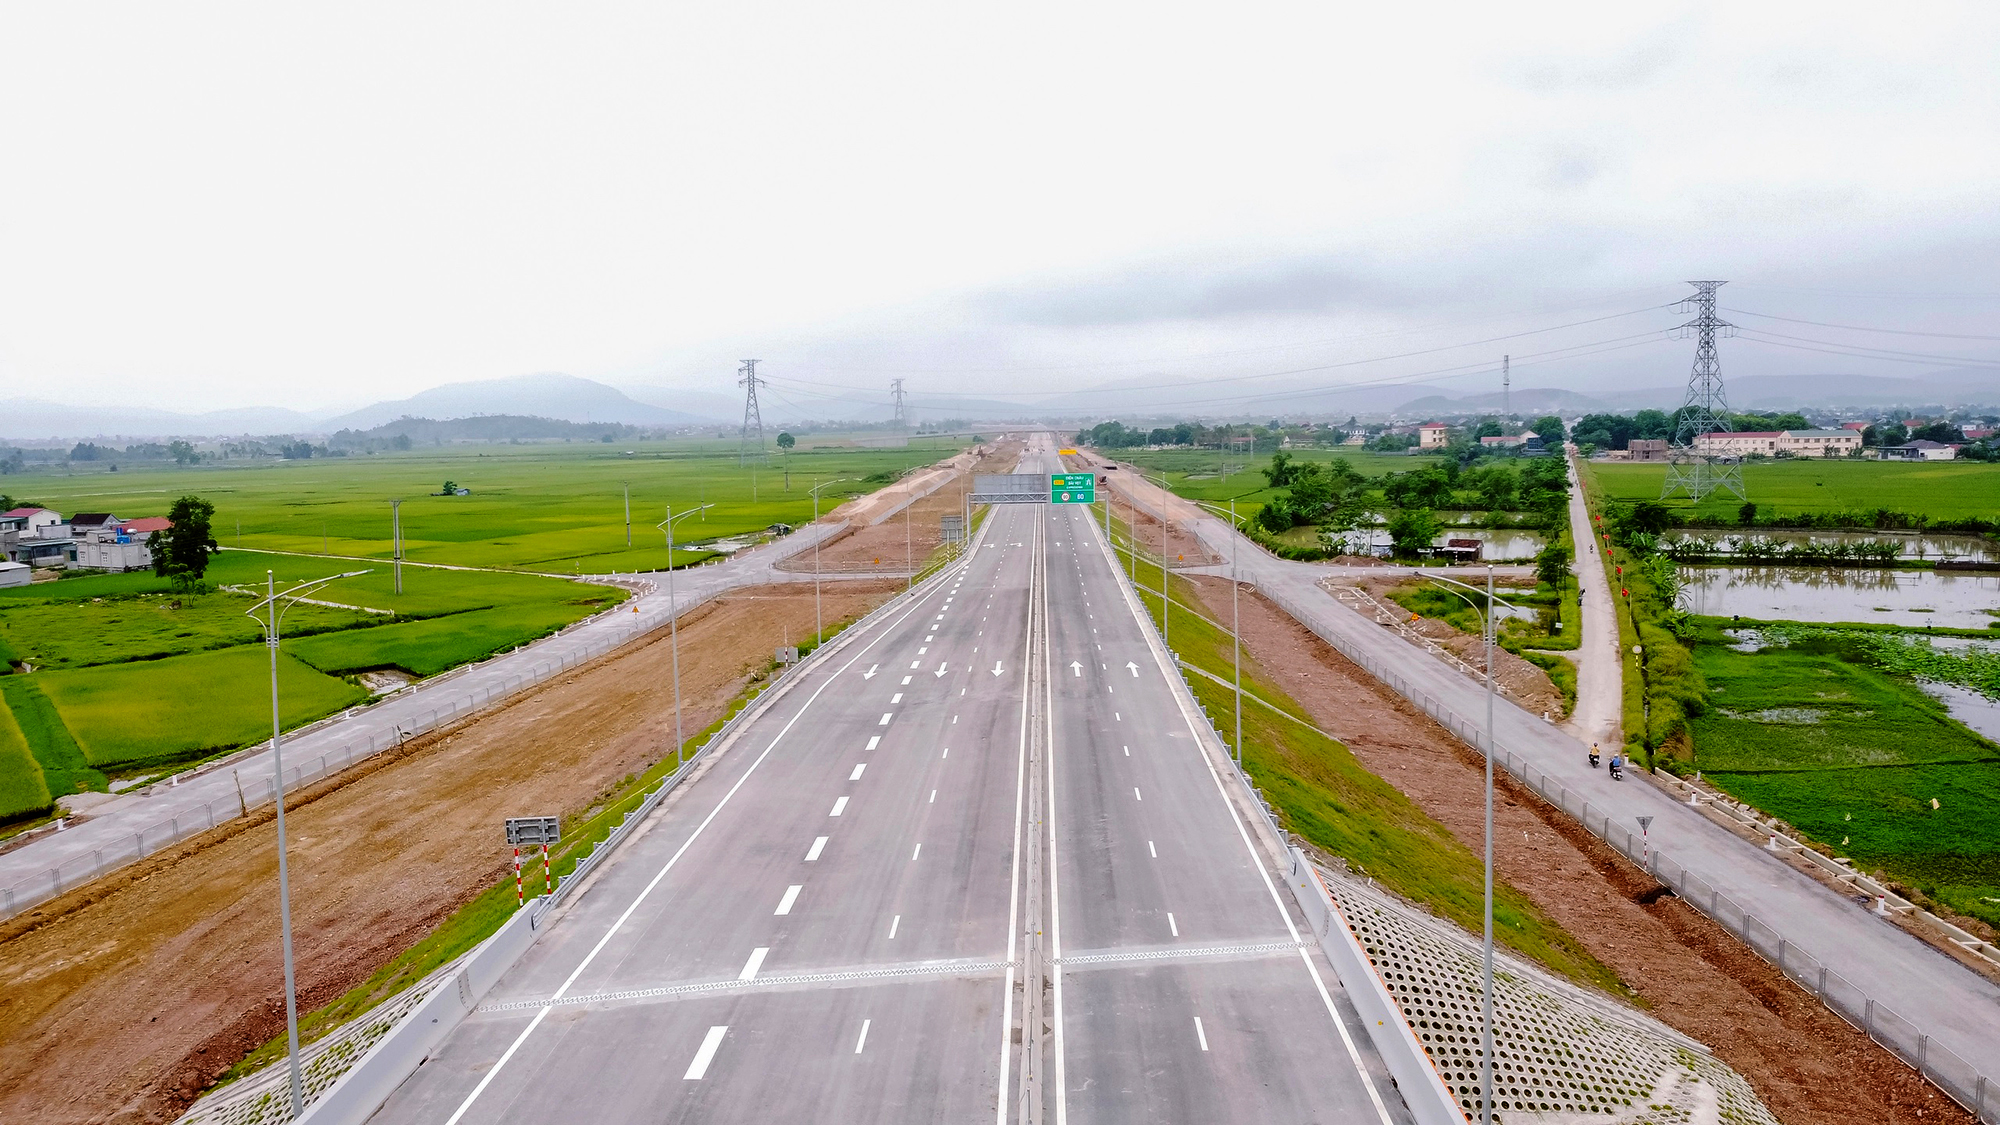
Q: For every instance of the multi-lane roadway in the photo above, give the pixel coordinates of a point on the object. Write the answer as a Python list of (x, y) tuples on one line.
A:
[(978, 864)]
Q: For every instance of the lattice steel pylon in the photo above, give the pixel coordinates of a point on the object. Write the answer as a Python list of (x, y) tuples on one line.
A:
[(1693, 466), (901, 421), (753, 419)]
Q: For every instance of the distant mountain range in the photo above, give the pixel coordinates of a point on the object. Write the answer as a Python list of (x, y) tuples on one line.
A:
[(567, 398)]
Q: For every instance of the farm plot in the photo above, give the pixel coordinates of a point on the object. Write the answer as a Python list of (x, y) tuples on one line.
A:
[(1941, 490), (1854, 756), (187, 707), (553, 508)]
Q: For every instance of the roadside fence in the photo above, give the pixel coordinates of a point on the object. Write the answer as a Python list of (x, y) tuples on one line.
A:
[(1950, 1073)]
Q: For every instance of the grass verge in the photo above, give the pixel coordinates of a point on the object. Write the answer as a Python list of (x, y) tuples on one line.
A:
[(1323, 794)]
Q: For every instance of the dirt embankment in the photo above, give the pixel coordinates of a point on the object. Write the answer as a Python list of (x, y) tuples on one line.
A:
[(911, 534), (1183, 547), (1523, 682), (122, 1001), (1809, 1066)]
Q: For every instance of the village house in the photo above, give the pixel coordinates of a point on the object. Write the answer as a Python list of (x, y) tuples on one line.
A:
[(1433, 435), (1919, 451)]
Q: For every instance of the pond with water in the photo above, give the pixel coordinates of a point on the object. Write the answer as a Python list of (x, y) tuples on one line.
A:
[(1915, 545), (1828, 594)]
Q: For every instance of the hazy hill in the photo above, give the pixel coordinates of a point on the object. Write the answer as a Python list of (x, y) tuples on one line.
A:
[(563, 397)]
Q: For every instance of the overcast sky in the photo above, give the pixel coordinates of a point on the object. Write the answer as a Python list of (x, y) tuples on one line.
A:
[(205, 206)]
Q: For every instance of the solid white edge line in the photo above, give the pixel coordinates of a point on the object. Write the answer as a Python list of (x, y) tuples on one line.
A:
[(709, 1043), (497, 1067), (1014, 884), (1159, 659), (1055, 898)]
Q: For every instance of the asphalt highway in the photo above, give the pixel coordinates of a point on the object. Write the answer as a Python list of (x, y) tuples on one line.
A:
[(975, 866)]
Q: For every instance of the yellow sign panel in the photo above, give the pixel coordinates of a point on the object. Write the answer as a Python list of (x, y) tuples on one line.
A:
[(1067, 452)]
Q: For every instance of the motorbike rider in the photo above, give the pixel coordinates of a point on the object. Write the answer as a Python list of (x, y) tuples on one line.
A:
[(1617, 764), (1593, 755)]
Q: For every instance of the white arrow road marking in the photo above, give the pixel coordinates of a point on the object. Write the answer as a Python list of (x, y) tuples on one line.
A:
[(870, 673), (940, 669), (1076, 668), (996, 667), (1134, 667)]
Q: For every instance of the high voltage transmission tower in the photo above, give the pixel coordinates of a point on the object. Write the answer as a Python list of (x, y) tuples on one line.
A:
[(901, 421), (753, 419), (1693, 466)]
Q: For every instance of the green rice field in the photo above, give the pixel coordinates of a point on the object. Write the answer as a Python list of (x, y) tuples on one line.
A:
[(1939, 489), (130, 677), (1853, 755), (550, 507)]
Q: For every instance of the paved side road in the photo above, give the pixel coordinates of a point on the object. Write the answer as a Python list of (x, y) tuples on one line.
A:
[(1958, 1008), (1600, 694), (136, 824)]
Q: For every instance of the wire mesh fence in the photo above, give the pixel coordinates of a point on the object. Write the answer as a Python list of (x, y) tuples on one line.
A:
[(1950, 1073)]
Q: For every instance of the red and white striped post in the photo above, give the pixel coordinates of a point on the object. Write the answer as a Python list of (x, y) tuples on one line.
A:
[(548, 873), (519, 898)]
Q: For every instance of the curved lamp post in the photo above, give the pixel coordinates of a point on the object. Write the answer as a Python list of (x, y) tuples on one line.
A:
[(272, 610), (1486, 996), (819, 627), (674, 618)]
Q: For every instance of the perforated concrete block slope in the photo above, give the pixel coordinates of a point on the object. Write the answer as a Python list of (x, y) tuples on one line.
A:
[(1561, 1054)]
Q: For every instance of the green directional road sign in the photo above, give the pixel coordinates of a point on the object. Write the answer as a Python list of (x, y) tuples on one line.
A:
[(1072, 488)]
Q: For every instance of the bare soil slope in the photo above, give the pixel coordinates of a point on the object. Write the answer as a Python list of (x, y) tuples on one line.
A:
[(122, 1001), (1809, 1066)]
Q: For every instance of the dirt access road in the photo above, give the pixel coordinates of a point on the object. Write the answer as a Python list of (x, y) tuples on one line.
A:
[(887, 548), (1808, 1066), (121, 1002)]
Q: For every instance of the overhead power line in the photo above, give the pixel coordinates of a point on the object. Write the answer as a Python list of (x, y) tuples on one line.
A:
[(1860, 328)]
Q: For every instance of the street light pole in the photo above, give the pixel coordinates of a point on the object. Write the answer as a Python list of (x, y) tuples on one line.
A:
[(1235, 624), (1486, 1000), (273, 617), (819, 626), (674, 623)]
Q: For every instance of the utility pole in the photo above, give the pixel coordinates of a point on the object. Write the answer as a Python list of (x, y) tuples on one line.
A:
[(627, 485), (396, 541), (753, 419), (901, 421), (1692, 465), (1507, 385)]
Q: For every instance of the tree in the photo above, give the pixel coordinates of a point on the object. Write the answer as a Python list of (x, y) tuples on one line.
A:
[(182, 452), (1943, 433), (1747, 514), (1488, 427), (1495, 485), (1552, 565), (450, 488), (1885, 434), (786, 441), (181, 550), (1549, 428), (1413, 531), (1280, 473)]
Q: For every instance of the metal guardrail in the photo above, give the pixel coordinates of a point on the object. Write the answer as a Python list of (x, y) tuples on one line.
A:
[(1962, 1082)]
